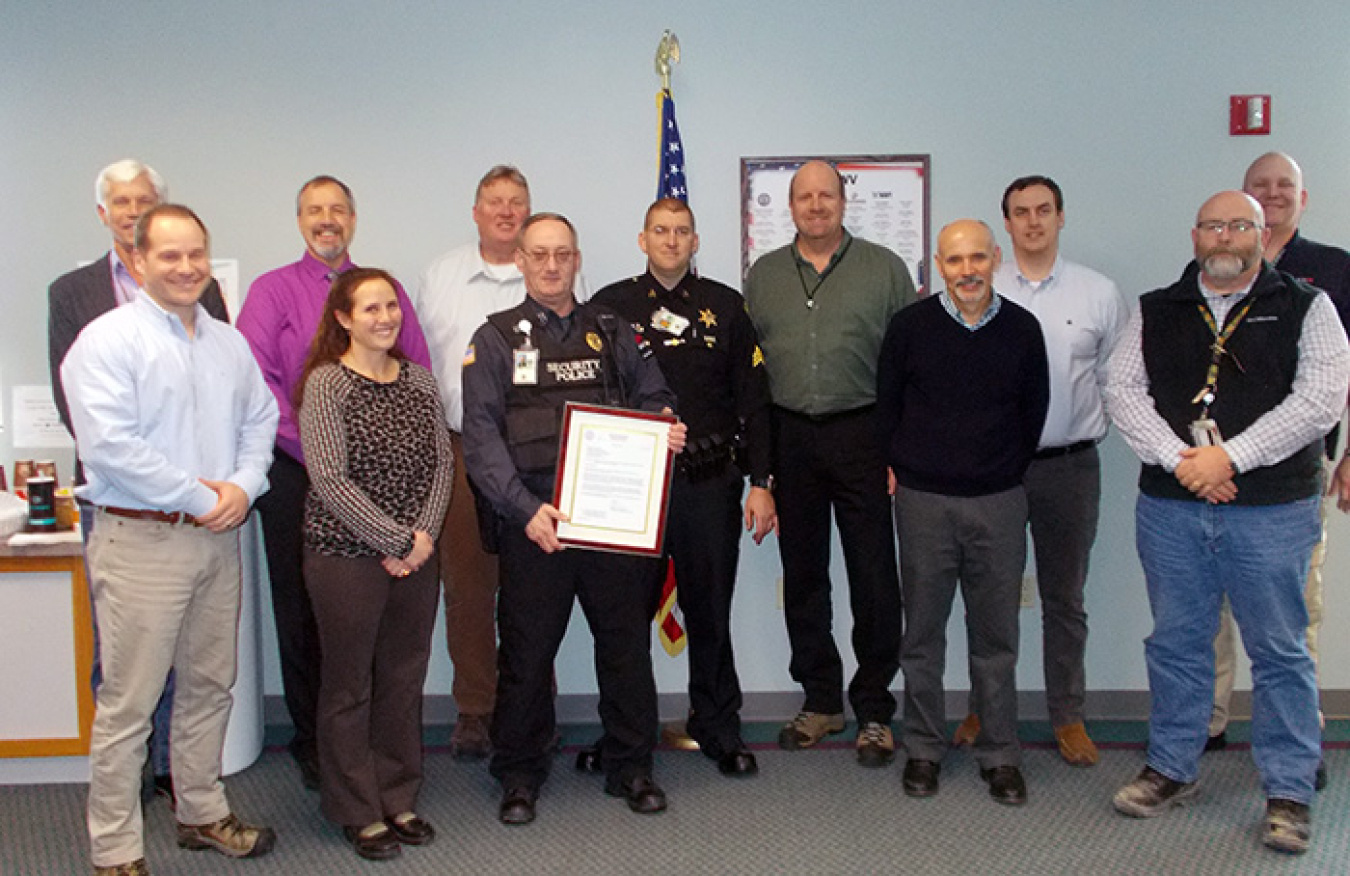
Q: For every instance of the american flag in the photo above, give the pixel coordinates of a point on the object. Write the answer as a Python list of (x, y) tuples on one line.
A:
[(670, 180)]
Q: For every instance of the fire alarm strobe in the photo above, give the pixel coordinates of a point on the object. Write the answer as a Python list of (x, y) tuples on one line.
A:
[(1249, 114)]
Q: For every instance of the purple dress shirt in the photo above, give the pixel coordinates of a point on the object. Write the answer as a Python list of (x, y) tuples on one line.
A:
[(279, 319)]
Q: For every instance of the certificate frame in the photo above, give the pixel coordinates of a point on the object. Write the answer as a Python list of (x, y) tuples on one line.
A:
[(599, 443), (888, 201)]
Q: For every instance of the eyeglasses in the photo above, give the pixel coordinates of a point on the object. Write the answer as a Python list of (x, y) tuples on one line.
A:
[(1236, 226), (540, 257)]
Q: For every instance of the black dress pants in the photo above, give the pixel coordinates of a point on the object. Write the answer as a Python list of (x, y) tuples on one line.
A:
[(533, 608), (835, 463), (282, 511)]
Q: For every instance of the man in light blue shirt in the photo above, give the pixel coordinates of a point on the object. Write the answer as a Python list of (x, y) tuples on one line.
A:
[(174, 426)]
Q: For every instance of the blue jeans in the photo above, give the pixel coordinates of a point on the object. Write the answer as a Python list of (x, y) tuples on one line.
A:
[(1194, 554), (159, 722)]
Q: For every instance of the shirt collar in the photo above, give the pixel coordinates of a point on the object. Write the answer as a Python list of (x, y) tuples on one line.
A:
[(316, 269), (124, 285), (995, 302), (1055, 270), (680, 291), (834, 259), (154, 311)]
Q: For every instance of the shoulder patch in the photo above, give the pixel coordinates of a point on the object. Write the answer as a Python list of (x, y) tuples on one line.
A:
[(470, 355)]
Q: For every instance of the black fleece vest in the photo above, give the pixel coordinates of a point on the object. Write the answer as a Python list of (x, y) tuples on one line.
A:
[(1256, 377)]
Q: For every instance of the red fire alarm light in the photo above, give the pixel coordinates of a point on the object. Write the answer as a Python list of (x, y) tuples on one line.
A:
[(1249, 114)]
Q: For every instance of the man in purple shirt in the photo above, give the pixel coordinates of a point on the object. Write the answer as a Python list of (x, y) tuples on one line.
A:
[(279, 318)]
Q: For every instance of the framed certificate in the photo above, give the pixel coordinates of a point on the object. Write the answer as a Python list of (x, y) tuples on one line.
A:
[(613, 483)]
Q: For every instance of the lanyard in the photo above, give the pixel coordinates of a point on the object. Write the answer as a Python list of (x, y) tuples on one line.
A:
[(829, 269), (1217, 350)]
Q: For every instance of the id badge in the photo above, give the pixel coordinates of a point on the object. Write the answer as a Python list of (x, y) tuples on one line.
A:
[(1205, 433), (526, 371), (669, 322)]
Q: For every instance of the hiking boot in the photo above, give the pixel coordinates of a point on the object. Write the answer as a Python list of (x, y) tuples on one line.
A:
[(1288, 826), (807, 729), (1151, 793), (229, 836), (876, 745)]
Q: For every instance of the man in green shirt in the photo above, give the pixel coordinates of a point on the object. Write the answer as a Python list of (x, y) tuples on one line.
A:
[(821, 306)]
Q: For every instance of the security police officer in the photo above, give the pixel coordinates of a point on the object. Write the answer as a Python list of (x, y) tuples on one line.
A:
[(706, 346), (520, 369)]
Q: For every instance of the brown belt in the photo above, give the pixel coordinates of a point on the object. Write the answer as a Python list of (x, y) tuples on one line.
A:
[(173, 519)]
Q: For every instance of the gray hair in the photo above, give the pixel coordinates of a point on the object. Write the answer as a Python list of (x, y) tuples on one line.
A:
[(125, 171)]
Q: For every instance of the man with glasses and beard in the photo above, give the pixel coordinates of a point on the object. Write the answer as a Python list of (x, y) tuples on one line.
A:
[(1225, 384)]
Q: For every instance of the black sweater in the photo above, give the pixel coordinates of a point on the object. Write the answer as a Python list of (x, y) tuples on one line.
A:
[(961, 412)]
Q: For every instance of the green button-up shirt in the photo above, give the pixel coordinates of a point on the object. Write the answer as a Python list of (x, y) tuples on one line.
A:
[(821, 332)]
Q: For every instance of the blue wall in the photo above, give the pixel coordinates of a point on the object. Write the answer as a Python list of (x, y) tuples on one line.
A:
[(236, 104)]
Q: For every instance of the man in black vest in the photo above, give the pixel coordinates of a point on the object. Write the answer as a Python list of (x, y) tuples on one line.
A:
[(520, 370), (1225, 384), (1276, 181)]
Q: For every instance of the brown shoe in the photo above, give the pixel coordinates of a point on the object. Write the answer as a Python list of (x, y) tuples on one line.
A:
[(229, 836), (135, 868), (808, 728), (1075, 746), (966, 733), (470, 741)]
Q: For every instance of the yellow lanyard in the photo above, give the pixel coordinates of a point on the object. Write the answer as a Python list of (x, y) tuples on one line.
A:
[(1206, 394)]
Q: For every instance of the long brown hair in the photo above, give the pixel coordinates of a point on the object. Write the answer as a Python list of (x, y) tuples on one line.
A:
[(331, 340)]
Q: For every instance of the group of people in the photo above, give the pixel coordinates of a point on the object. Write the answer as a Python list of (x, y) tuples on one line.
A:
[(392, 442)]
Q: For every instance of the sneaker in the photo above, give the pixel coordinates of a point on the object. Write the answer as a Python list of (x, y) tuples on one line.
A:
[(1075, 746), (1151, 793), (967, 732), (229, 836), (135, 868), (470, 741), (807, 729), (876, 746), (1287, 827)]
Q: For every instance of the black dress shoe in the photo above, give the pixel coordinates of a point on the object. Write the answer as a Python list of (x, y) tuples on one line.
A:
[(518, 805), (164, 788), (737, 763), (644, 796), (1218, 742), (414, 831), (921, 778), (588, 760), (1320, 780), (1006, 785), (380, 846)]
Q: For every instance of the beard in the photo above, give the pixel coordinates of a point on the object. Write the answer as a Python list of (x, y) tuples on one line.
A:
[(1227, 265)]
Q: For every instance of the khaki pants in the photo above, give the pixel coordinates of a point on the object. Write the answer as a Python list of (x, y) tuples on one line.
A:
[(470, 576), (167, 597)]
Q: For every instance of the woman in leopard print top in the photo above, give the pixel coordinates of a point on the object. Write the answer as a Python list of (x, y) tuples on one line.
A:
[(378, 453)]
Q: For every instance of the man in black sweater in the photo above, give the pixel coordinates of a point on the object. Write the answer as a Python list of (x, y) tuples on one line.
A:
[(963, 387)]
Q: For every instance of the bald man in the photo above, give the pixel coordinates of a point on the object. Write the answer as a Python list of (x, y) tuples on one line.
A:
[(963, 386), (1276, 181), (1224, 384)]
